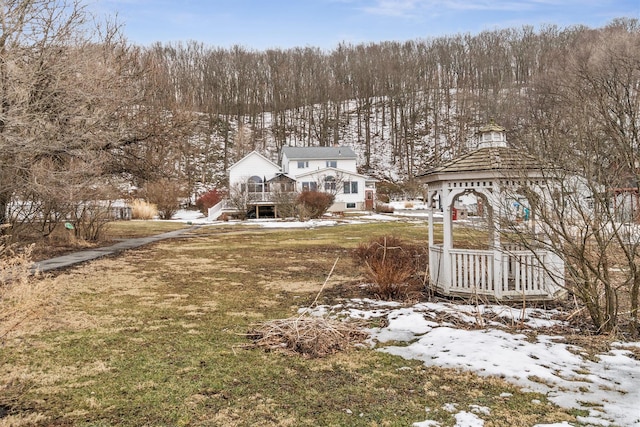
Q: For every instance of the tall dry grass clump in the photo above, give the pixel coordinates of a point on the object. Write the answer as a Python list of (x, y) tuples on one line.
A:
[(25, 304), (22, 296), (308, 336), (392, 267), (141, 209), (15, 264)]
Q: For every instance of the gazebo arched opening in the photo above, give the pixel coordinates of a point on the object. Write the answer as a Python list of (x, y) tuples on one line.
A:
[(471, 221), (488, 263)]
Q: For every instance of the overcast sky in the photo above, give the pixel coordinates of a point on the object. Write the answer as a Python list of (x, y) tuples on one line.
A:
[(264, 24)]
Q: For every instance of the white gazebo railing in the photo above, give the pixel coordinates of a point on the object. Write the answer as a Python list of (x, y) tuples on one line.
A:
[(499, 275)]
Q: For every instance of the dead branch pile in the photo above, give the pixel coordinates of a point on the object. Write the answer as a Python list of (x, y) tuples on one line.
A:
[(307, 335)]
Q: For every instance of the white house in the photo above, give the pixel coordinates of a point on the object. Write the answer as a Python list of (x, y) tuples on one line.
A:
[(259, 182)]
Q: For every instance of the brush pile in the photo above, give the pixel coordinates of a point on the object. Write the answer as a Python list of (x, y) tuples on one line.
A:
[(309, 336)]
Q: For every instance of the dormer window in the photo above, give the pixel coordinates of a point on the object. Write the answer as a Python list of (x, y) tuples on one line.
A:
[(332, 164), (303, 165)]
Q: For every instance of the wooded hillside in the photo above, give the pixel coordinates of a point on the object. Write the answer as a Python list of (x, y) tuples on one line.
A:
[(410, 105)]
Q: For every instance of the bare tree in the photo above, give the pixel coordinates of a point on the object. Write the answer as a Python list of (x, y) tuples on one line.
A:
[(65, 86), (586, 117)]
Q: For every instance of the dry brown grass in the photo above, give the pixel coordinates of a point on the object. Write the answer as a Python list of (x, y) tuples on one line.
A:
[(148, 337), (22, 296), (306, 335), (15, 264), (143, 210), (310, 336)]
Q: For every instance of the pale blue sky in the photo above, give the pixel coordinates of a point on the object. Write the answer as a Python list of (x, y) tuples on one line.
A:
[(264, 24)]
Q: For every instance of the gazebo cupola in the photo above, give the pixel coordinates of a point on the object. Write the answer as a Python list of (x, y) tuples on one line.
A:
[(492, 135), (491, 173)]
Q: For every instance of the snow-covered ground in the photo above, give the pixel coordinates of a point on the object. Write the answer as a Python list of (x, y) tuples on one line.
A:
[(608, 387), (402, 209)]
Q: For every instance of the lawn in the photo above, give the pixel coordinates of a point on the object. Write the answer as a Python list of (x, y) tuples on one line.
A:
[(157, 336)]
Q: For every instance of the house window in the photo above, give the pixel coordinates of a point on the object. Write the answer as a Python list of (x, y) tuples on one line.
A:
[(332, 164), (351, 205), (351, 187), (310, 186), (302, 165), (255, 185), (329, 183)]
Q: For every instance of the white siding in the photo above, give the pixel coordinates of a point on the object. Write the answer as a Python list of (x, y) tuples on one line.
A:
[(251, 165), (292, 168)]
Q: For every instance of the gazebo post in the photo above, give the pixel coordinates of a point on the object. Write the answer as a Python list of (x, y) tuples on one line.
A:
[(435, 257), (447, 239), (432, 206), (495, 213)]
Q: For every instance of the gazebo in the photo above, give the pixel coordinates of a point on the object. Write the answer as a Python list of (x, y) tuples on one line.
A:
[(492, 173)]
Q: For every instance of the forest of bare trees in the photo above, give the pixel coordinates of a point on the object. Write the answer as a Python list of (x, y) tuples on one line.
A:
[(411, 105)]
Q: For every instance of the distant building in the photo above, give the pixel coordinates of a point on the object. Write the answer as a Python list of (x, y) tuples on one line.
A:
[(262, 182)]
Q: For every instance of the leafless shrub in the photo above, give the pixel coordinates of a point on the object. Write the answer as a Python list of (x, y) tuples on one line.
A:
[(286, 203), (391, 266), (384, 208), (314, 204), (165, 194)]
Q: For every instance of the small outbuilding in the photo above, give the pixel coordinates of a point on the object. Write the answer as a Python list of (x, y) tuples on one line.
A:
[(494, 269)]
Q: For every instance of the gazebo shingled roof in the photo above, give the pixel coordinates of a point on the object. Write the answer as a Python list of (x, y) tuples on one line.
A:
[(488, 159)]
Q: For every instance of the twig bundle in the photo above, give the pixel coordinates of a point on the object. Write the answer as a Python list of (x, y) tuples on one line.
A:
[(310, 336)]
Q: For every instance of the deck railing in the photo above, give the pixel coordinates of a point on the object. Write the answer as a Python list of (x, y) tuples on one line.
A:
[(496, 274), (251, 199)]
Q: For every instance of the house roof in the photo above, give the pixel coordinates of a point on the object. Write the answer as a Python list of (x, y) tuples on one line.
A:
[(488, 159), (282, 177), (336, 170), (318, 153), (252, 154)]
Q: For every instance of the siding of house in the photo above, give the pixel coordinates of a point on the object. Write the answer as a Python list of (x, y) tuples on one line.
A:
[(253, 164), (342, 199), (292, 168)]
